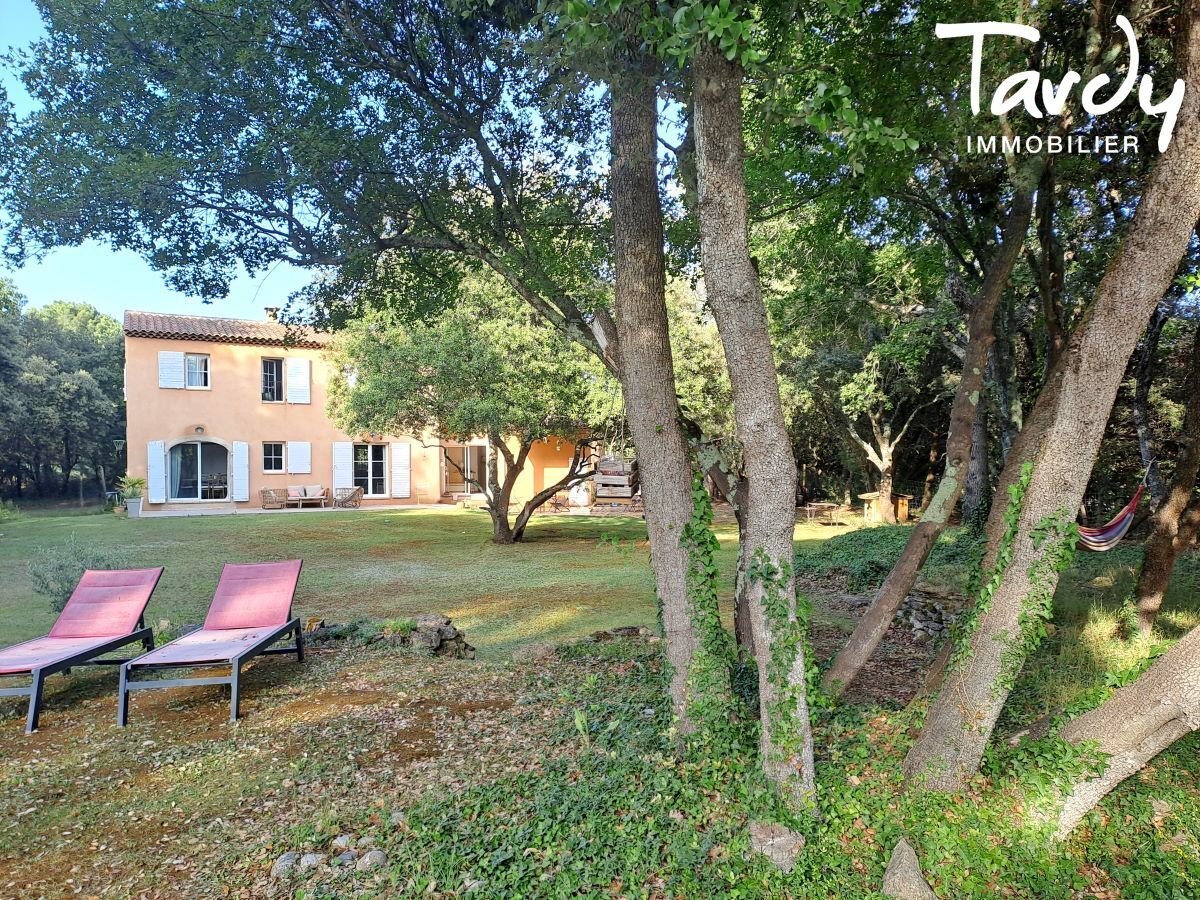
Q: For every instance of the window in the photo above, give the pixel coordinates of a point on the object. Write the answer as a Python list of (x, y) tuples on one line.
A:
[(370, 467), (198, 470), (272, 380), (197, 370), (272, 456)]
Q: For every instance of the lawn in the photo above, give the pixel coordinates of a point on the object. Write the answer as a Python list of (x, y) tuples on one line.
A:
[(571, 576)]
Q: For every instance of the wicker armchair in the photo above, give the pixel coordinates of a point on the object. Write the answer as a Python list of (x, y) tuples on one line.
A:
[(347, 498), (273, 498)]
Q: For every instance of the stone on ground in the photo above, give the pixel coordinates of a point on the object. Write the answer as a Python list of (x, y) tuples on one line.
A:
[(310, 861), (285, 864), (777, 843), (376, 859)]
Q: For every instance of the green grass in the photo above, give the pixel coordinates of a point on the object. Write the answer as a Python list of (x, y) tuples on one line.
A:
[(571, 576), (386, 564)]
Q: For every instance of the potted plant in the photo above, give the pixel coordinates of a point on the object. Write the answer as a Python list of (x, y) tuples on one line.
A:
[(133, 489)]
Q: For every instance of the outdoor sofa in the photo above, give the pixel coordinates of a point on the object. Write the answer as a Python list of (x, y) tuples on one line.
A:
[(307, 495), (105, 612)]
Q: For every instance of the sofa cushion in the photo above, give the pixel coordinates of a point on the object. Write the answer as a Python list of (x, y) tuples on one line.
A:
[(314, 490), (295, 492)]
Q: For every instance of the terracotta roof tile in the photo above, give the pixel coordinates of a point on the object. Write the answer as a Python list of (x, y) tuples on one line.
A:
[(224, 331)]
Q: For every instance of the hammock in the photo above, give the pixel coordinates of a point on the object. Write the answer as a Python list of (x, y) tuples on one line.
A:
[(1108, 536)]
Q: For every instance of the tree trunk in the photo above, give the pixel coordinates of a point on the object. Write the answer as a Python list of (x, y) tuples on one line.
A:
[(935, 455), (735, 297), (577, 472), (647, 370), (1135, 724), (1178, 517), (976, 490), (1076, 405), (732, 487), (1050, 271), (1002, 386), (499, 490), (1139, 408), (961, 442), (887, 512)]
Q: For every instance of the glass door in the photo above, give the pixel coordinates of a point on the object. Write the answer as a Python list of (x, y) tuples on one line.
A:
[(198, 470), (465, 463), (370, 469)]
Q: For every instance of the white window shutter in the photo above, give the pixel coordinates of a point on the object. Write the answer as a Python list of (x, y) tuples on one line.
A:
[(401, 470), (298, 388), (240, 478), (343, 464), (156, 472), (299, 457), (171, 369)]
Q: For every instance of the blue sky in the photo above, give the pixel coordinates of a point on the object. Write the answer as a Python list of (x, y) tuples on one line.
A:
[(115, 281)]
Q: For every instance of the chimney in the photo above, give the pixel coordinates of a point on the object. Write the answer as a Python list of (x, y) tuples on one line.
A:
[(272, 313)]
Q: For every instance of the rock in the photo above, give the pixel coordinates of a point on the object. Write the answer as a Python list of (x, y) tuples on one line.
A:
[(435, 632), (398, 819), (1161, 809), (430, 640), (366, 842), (532, 653), (342, 842), (431, 621), (473, 884), (310, 861), (903, 879), (937, 589), (777, 843), (621, 631), (285, 864), (345, 859), (376, 859)]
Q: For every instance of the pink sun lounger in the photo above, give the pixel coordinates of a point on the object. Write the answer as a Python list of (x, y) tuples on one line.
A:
[(251, 610), (104, 613)]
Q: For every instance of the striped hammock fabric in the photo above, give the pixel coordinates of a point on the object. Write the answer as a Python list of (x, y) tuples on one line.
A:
[(1108, 536)]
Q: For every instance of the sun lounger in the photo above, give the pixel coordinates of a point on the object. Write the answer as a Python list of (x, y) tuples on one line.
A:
[(104, 614), (250, 611)]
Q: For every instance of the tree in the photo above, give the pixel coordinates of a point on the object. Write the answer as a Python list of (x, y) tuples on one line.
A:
[(778, 621), (647, 368), (1134, 725), (484, 367), (61, 405), (1177, 519), (1031, 533)]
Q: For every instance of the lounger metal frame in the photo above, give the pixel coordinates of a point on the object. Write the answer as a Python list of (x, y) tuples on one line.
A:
[(87, 657), (261, 647)]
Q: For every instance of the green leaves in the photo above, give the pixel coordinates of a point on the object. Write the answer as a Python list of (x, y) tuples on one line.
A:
[(486, 366)]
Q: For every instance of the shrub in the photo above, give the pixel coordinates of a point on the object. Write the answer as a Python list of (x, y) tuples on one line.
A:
[(132, 488), (55, 571), (8, 512), (865, 556)]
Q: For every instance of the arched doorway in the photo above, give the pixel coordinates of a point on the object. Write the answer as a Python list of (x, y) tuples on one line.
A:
[(198, 470)]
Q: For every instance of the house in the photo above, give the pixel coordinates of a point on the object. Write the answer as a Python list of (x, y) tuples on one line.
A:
[(219, 409)]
